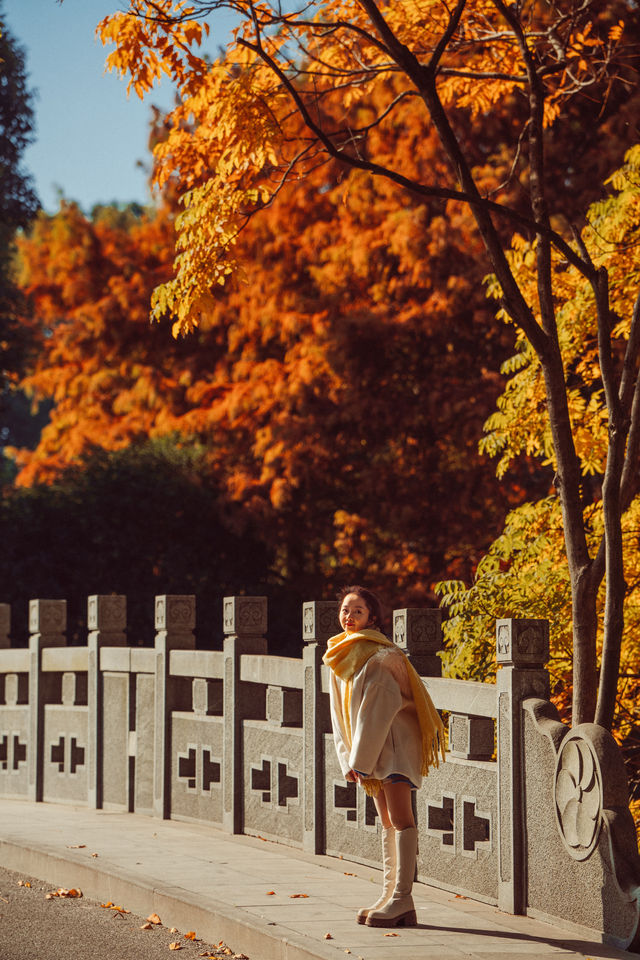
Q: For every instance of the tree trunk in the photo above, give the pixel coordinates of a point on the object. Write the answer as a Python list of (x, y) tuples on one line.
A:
[(584, 587)]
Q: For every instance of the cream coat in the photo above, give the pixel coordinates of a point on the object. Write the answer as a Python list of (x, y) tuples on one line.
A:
[(384, 722)]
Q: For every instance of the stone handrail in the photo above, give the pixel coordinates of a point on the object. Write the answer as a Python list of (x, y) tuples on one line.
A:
[(521, 811)]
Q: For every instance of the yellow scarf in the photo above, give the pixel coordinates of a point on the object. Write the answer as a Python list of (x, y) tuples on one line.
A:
[(346, 654)]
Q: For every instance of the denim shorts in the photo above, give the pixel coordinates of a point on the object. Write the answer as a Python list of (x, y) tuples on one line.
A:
[(399, 778)]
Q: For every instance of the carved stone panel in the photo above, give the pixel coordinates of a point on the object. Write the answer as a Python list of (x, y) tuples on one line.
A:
[(107, 613), (245, 616), (578, 796), (47, 616), (176, 613), (522, 642), (320, 620), (418, 630)]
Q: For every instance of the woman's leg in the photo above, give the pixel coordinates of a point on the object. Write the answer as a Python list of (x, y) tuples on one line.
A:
[(399, 909), (380, 801), (397, 804)]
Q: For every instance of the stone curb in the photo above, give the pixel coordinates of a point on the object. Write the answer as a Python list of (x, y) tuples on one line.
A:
[(213, 920)]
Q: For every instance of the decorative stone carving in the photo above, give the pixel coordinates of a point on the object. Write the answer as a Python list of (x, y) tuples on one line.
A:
[(441, 822), (261, 780), (245, 616), (195, 777), (345, 800), (320, 620), (47, 616), (578, 796), (107, 613), (522, 642), (68, 759), (476, 828), (418, 630), (176, 613), (12, 752)]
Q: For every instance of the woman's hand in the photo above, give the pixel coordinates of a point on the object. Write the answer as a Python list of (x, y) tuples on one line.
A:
[(353, 776)]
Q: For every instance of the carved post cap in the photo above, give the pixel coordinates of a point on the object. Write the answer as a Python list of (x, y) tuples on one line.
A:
[(5, 624), (244, 616), (107, 613), (418, 629), (47, 616), (320, 620), (176, 613), (522, 642)]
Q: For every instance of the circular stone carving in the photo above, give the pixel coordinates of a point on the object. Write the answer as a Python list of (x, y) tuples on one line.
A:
[(577, 794)]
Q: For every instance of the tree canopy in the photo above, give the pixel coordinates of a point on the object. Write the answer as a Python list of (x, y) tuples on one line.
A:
[(261, 117)]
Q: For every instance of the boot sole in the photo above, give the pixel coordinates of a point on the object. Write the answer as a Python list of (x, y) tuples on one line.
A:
[(407, 919)]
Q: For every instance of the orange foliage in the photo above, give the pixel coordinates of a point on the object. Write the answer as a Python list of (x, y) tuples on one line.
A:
[(339, 385)]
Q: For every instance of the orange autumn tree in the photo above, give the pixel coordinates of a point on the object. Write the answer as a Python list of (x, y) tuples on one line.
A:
[(285, 384), (84, 278), (236, 140)]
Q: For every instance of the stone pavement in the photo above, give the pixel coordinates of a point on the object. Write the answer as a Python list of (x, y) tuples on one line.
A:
[(248, 892)]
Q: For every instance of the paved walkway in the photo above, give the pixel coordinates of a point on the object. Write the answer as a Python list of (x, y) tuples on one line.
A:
[(264, 899)]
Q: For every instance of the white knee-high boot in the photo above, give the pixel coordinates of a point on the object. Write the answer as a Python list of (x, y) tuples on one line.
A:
[(399, 910), (388, 875)]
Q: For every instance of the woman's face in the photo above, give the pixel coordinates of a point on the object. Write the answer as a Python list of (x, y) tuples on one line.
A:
[(354, 614)]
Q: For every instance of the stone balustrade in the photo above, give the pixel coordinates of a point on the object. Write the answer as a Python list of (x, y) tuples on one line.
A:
[(525, 813)]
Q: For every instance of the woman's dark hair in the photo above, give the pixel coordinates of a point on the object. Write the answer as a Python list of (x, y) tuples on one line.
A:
[(372, 602)]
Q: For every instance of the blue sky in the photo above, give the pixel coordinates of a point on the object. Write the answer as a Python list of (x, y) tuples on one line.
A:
[(90, 138)]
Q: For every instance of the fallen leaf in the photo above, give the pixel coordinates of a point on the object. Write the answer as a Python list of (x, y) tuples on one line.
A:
[(347, 950), (23, 883), (392, 934), (94, 854), (147, 926), (175, 946), (190, 936), (295, 896), (328, 936), (109, 904), (76, 846), (173, 930), (63, 892), (350, 874), (270, 893), (154, 918)]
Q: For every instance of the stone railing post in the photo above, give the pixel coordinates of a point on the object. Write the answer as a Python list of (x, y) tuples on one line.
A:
[(319, 622), (47, 625), (244, 624), (107, 622), (5, 625), (175, 619), (418, 631), (522, 649)]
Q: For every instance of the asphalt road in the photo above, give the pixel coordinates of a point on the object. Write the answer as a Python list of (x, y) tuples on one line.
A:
[(33, 927)]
